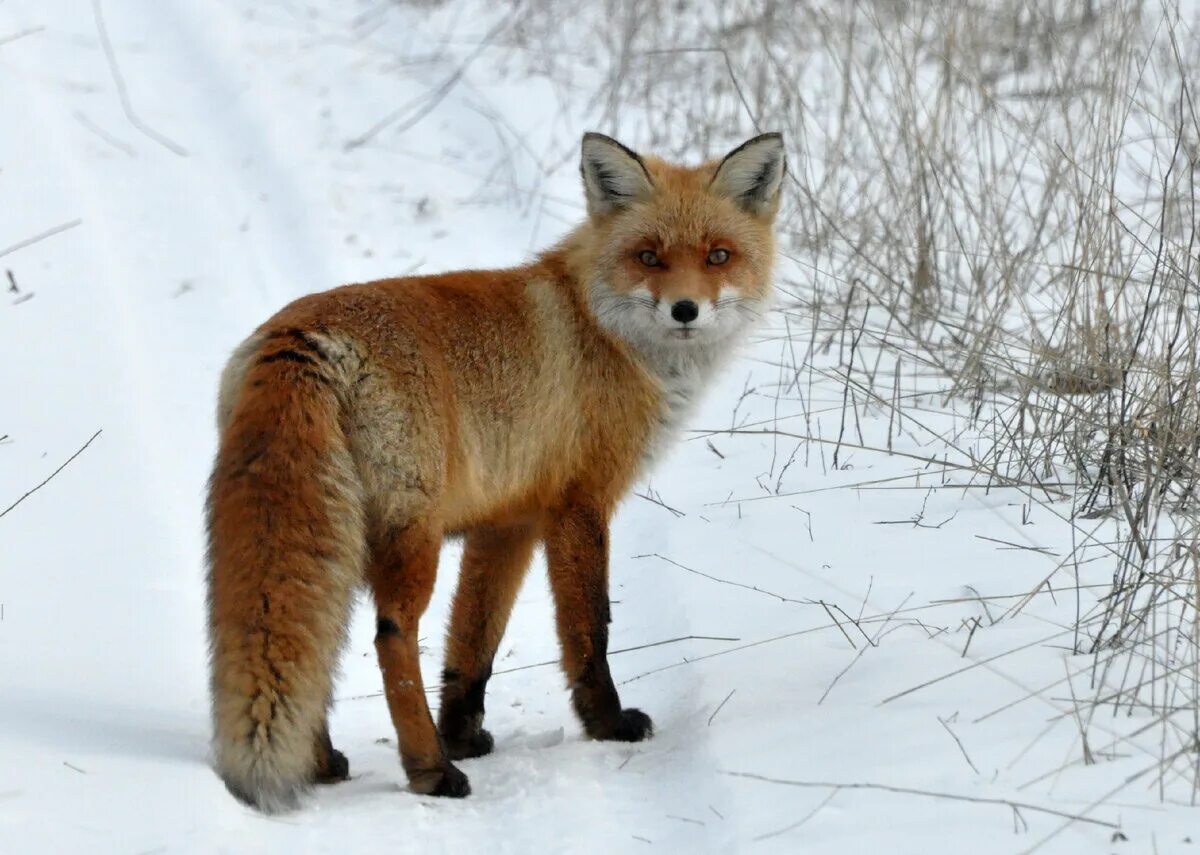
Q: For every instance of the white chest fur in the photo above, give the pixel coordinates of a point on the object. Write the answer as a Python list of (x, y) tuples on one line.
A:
[(683, 378)]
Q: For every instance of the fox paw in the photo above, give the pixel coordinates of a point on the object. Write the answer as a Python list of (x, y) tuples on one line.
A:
[(634, 726), (474, 744), (631, 725), (334, 768), (448, 781)]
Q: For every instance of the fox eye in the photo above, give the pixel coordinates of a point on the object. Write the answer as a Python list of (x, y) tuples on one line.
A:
[(718, 256), (648, 258)]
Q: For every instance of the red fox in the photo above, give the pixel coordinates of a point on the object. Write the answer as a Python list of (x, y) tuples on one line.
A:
[(361, 426)]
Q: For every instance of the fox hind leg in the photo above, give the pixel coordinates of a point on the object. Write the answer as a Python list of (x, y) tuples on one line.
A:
[(493, 567), (332, 765), (402, 573)]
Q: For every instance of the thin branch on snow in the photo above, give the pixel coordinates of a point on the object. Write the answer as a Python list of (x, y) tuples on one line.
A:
[(976, 664), (417, 109), (123, 93), (656, 499), (720, 706), (52, 474), (40, 236), (828, 607), (802, 820), (959, 742), (7, 40), (754, 588), (878, 636), (104, 135), (910, 791)]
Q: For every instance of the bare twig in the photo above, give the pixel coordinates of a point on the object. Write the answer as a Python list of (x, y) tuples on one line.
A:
[(925, 793), (51, 475), (123, 91), (40, 236), (719, 706), (412, 112), (958, 742), (29, 31)]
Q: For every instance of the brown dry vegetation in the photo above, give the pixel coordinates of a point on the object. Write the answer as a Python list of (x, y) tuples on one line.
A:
[(995, 201)]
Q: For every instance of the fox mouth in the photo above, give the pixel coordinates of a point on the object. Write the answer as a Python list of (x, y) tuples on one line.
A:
[(683, 334)]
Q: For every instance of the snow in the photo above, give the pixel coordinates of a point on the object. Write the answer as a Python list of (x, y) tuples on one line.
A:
[(779, 622)]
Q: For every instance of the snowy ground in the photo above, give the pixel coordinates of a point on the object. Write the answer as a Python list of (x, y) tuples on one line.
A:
[(786, 625)]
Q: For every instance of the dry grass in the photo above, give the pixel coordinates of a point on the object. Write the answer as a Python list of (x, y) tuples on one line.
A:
[(996, 202)]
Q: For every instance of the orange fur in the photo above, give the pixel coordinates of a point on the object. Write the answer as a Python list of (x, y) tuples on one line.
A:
[(361, 426)]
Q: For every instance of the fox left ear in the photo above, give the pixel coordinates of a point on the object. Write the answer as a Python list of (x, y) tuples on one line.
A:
[(613, 175), (752, 173)]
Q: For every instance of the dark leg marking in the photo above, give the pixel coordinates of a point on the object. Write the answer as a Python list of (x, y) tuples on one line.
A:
[(332, 765), (461, 717)]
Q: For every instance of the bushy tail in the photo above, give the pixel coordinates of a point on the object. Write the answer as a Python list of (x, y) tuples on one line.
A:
[(286, 545)]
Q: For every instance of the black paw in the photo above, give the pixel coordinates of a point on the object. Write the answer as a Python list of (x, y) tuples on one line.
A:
[(631, 725), (473, 745), (453, 784), (634, 726), (334, 768)]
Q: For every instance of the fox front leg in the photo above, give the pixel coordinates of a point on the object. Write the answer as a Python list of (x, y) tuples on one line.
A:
[(577, 557)]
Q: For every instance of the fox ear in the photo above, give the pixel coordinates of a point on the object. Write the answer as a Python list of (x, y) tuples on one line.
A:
[(752, 173), (613, 176)]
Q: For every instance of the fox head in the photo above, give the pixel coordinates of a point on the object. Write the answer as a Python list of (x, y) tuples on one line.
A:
[(680, 257)]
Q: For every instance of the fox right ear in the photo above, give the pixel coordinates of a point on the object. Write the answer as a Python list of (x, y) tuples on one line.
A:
[(752, 174), (613, 176)]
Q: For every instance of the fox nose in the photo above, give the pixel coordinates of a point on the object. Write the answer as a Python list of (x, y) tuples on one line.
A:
[(685, 311)]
